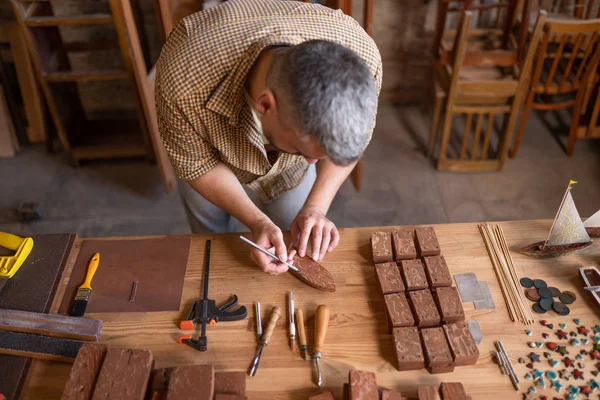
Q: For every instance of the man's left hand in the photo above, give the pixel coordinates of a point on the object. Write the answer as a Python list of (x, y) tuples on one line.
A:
[(312, 222)]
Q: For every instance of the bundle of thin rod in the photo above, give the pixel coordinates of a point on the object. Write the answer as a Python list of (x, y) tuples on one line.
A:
[(495, 242)]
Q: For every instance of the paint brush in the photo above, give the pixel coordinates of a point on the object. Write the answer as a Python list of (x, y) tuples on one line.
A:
[(267, 252), (83, 293)]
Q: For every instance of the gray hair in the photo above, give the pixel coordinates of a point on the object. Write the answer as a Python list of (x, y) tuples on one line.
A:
[(329, 93)]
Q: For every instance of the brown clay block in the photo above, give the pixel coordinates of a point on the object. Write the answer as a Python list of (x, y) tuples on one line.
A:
[(192, 382), (398, 310), (437, 271), (424, 309), (84, 372), (389, 278), (427, 243), (414, 276), (449, 304), (322, 396), (404, 245), (124, 375), (429, 393), (230, 383), (453, 391), (363, 385), (462, 345), (409, 352), (220, 396), (437, 353), (391, 395), (382, 247)]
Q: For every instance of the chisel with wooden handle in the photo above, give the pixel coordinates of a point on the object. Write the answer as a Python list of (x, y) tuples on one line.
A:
[(264, 340), (321, 325), (301, 333)]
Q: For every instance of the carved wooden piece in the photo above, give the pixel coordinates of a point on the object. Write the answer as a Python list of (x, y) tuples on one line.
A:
[(322, 396), (230, 383), (363, 385), (124, 375), (453, 391), (381, 243), (437, 271), (404, 245), (192, 382), (449, 304), (398, 310), (429, 393), (409, 352), (424, 309), (413, 274), (437, 352), (389, 278), (313, 274), (427, 243), (462, 345), (84, 373), (50, 325), (391, 395)]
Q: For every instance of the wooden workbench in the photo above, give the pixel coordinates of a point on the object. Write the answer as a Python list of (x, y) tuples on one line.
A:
[(357, 335)]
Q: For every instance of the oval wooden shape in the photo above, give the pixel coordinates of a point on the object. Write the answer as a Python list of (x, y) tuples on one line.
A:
[(313, 274)]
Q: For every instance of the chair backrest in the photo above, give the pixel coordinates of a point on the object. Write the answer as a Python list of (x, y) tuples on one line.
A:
[(583, 9), (567, 51)]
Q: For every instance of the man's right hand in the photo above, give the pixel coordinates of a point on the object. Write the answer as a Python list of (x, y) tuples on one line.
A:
[(267, 235)]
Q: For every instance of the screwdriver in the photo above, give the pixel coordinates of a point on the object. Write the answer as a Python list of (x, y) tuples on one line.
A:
[(321, 324), (264, 340), (301, 333)]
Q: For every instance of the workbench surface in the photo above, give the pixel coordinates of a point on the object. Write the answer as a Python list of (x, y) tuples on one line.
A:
[(357, 336)]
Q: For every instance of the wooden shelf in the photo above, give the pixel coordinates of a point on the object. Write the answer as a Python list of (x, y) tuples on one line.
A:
[(83, 76), (91, 19)]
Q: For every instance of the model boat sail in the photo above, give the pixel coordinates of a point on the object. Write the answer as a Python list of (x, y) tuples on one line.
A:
[(567, 234), (592, 225)]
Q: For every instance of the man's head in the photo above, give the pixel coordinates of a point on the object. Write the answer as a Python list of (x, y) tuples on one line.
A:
[(319, 101)]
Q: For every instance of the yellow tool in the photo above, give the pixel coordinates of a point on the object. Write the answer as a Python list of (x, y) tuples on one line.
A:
[(9, 265)]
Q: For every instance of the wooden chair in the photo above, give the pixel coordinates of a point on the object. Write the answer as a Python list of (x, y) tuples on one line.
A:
[(480, 94), (566, 63)]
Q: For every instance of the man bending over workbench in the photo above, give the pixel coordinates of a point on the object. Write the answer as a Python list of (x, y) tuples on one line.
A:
[(251, 95)]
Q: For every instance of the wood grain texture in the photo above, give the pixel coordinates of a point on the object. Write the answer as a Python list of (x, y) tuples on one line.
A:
[(84, 373), (453, 391), (124, 375), (50, 325), (358, 321)]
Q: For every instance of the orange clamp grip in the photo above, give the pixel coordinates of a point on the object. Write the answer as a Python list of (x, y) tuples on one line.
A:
[(184, 337), (186, 325)]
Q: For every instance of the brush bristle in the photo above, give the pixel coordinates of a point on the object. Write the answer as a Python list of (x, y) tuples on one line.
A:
[(80, 303)]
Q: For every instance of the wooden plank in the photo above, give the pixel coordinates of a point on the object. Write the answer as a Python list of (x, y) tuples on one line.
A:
[(496, 89), (54, 325), (8, 139), (108, 151), (124, 375), (357, 329), (84, 76), (30, 91), (91, 19), (84, 373), (38, 346)]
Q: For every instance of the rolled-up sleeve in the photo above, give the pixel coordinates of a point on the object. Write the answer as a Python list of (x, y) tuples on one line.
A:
[(190, 153)]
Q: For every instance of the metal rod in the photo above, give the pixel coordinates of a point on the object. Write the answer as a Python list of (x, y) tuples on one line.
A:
[(503, 357), (206, 268), (256, 360), (267, 252), (258, 320), (319, 376)]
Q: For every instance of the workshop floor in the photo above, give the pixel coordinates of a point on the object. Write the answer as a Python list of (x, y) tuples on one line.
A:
[(400, 186)]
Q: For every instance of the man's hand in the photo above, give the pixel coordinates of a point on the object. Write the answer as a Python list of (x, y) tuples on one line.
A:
[(266, 234), (312, 222)]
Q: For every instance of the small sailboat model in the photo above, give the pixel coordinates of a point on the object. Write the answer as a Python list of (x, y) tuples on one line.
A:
[(592, 225), (567, 235), (591, 280)]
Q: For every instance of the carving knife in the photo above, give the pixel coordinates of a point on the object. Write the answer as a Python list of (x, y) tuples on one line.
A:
[(321, 325), (83, 293), (267, 252), (266, 336)]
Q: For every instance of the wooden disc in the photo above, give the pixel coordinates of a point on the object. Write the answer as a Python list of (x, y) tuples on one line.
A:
[(313, 274)]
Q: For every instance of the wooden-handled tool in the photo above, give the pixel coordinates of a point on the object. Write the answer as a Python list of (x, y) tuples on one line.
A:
[(264, 340), (321, 325), (301, 333), (83, 293)]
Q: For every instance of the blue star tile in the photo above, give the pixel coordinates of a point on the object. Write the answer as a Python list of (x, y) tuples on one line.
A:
[(557, 386), (574, 390), (538, 374), (594, 385)]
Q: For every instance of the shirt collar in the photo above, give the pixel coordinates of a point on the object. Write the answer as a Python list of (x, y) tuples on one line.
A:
[(228, 100)]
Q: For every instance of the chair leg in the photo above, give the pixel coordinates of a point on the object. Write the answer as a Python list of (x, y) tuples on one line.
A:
[(527, 108), (435, 126), (447, 128)]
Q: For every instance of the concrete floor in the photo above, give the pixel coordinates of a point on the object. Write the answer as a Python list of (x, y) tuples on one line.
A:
[(400, 186)]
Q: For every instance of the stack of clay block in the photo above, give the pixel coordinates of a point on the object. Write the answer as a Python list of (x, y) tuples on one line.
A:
[(125, 374), (363, 386), (424, 311)]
